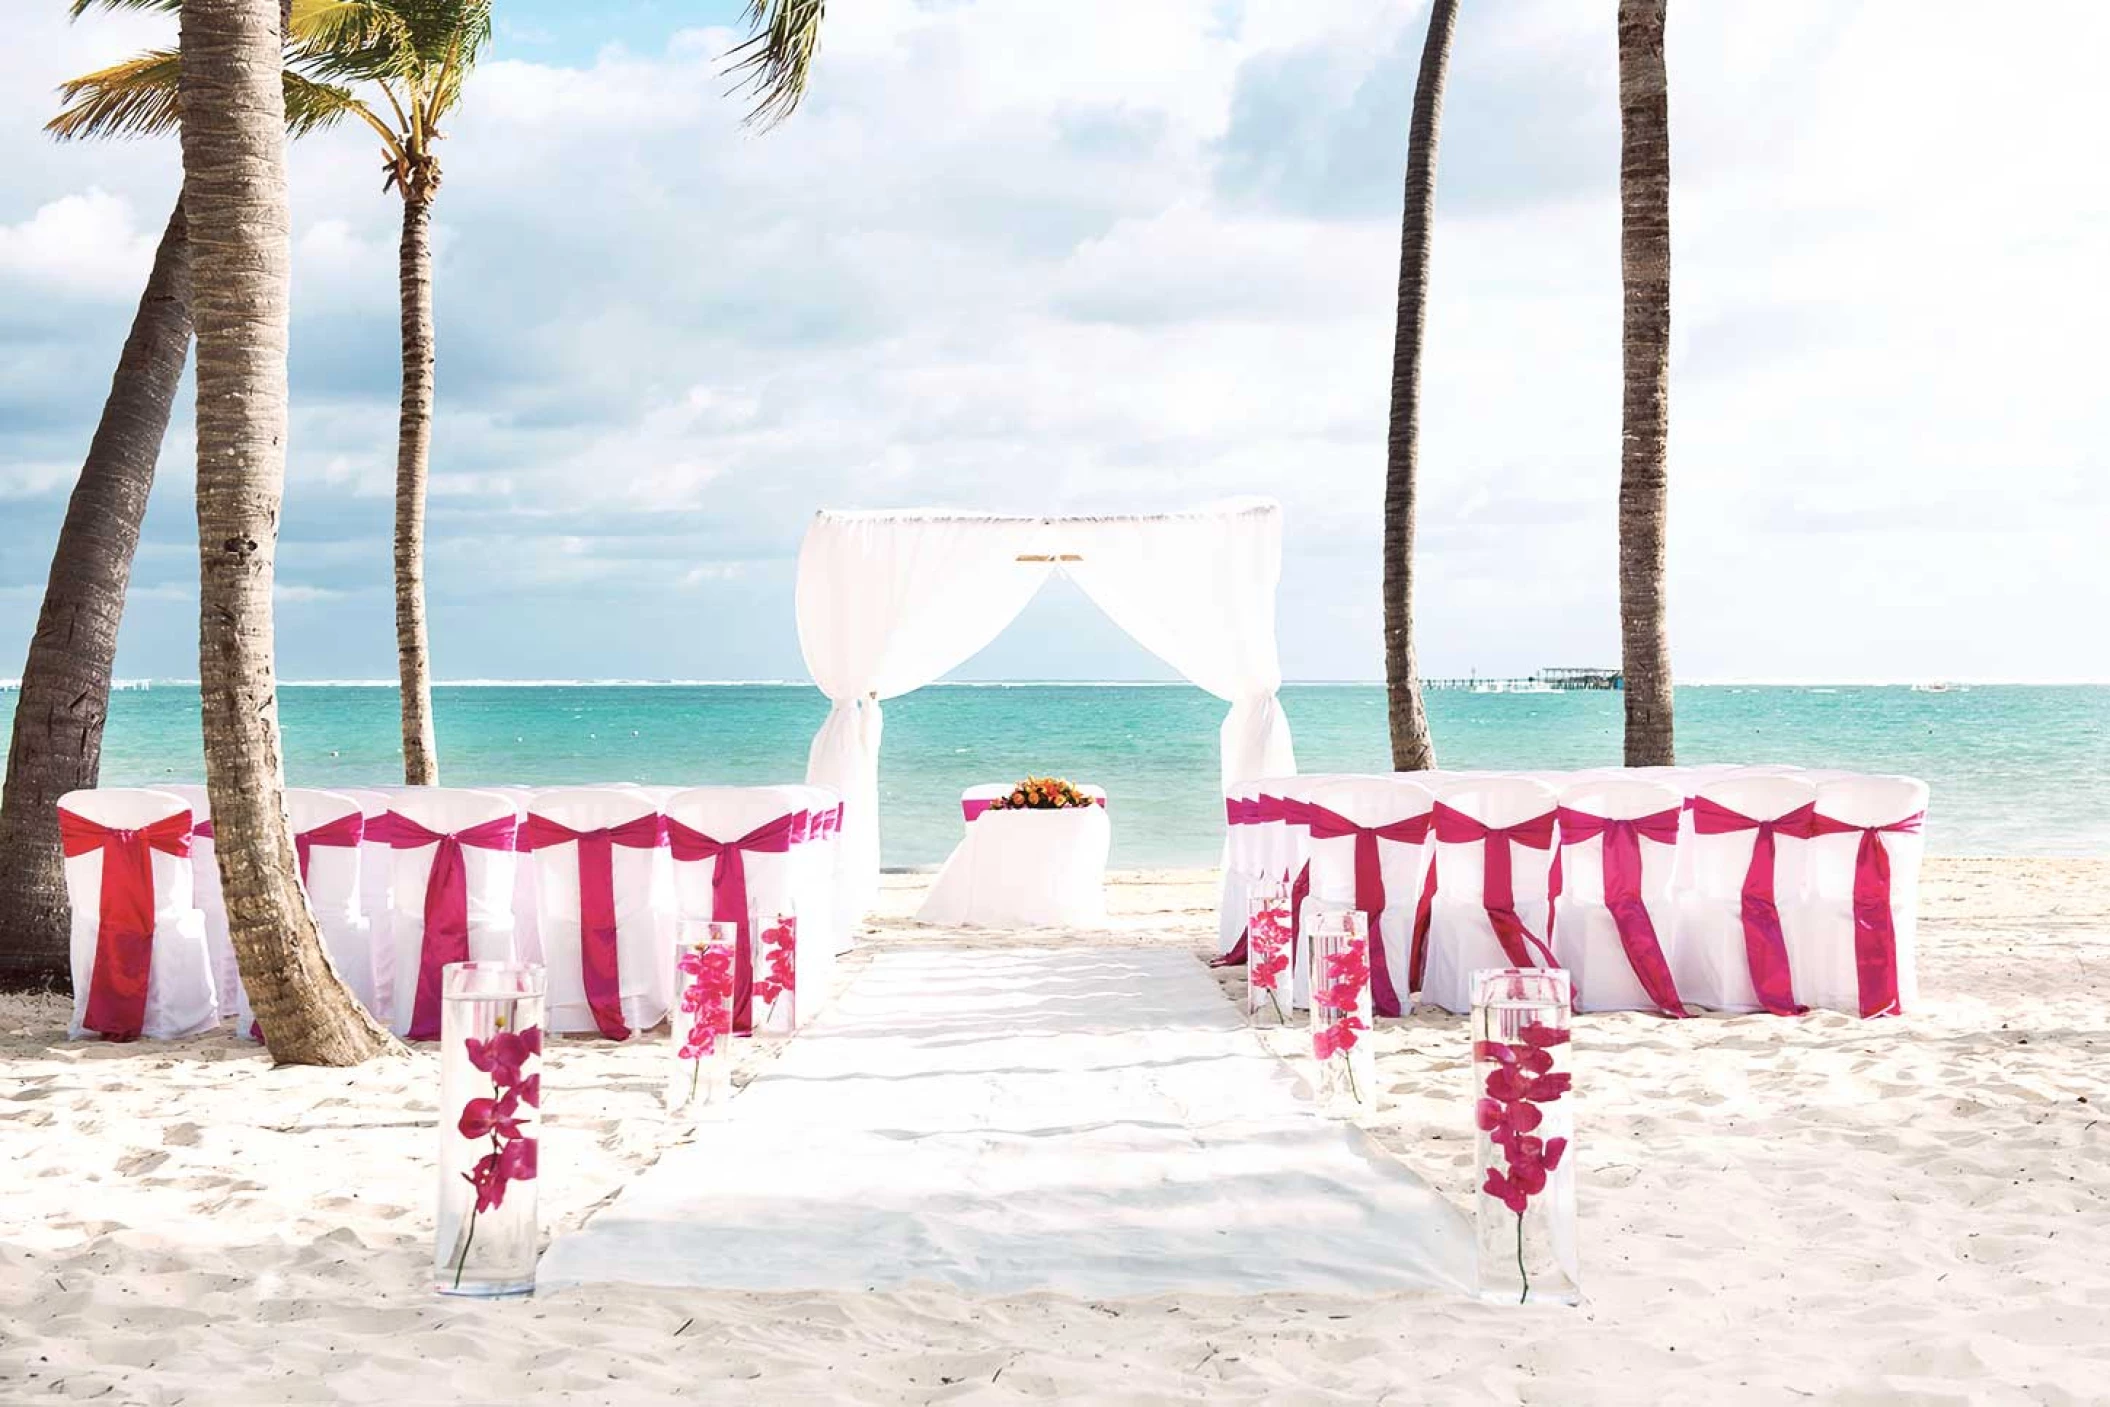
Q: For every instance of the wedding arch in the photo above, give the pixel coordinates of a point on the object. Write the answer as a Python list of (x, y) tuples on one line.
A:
[(890, 601)]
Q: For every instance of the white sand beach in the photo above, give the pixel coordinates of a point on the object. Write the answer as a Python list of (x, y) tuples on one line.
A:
[(1818, 1209)]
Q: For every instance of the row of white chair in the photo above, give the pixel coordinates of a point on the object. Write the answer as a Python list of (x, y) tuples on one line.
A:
[(596, 883), (1730, 888)]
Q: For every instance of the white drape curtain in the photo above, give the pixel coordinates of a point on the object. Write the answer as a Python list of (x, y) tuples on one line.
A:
[(888, 602)]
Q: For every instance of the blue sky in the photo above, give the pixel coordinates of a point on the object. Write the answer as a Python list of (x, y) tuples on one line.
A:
[(1077, 255)]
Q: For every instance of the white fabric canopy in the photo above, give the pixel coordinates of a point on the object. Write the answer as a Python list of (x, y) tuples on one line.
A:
[(889, 601)]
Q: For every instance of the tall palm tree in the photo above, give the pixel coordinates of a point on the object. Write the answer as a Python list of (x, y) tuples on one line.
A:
[(234, 151), (64, 698), (1412, 748), (1644, 262)]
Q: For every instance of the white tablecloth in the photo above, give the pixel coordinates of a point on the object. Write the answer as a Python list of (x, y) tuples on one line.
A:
[(1025, 869)]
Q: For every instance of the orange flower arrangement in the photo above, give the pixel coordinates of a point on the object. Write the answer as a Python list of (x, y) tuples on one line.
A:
[(1041, 794)]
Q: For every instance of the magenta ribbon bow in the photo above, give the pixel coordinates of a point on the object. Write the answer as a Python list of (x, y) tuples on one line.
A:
[(1764, 948), (1370, 894), (446, 904), (1498, 893), (600, 967), (729, 892), (1875, 927), (343, 833), (1622, 891), (124, 934)]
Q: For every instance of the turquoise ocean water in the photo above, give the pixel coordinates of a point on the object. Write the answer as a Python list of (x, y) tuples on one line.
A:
[(2015, 769)]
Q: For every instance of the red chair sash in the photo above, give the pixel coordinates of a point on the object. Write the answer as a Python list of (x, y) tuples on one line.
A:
[(124, 933), (1622, 891), (729, 892), (600, 965), (1243, 811), (1498, 880), (201, 831), (1764, 948), (446, 904), (343, 833), (1267, 809), (1875, 926), (1370, 894)]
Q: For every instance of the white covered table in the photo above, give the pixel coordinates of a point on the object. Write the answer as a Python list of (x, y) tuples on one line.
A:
[(1024, 869)]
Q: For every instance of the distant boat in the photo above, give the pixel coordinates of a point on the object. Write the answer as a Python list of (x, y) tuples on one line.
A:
[(1938, 686)]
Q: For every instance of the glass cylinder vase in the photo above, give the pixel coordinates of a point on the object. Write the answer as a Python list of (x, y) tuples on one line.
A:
[(774, 934), (1268, 985), (490, 1113), (1523, 1109), (700, 1029), (1339, 942)]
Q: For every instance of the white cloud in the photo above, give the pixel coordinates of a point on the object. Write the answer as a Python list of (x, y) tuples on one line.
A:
[(999, 260)]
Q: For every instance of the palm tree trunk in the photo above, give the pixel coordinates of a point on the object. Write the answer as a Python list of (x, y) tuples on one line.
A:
[(421, 758), (1412, 748), (1644, 261), (240, 226), (65, 691)]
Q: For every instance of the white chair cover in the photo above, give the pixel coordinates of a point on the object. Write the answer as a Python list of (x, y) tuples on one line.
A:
[(489, 877), (1586, 937), (1824, 943), (771, 877), (527, 932), (1024, 869), (180, 1000), (333, 887), (1713, 959), (205, 891), (643, 908), (1397, 809), (376, 882), (1462, 936)]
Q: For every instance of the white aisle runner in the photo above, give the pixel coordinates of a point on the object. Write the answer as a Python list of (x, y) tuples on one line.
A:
[(1091, 1121)]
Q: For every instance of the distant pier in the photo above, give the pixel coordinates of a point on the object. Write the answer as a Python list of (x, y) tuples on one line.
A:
[(1546, 681)]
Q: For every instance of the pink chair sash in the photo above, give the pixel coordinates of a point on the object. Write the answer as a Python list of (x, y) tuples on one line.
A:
[(1875, 927), (1764, 948), (343, 833), (1622, 891), (972, 807), (600, 966), (446, 904), (1370, 894), (1498, 883), (729, 892), (1241, 811), (201, 831), (124, 934)]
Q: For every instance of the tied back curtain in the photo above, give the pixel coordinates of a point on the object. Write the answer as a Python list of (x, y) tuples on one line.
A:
[(889, 602), (1198, 591)]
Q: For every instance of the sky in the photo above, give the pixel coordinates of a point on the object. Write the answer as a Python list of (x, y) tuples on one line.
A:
[(1109, 256)]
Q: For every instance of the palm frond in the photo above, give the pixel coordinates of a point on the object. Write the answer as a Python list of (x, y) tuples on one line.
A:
[(77, 8), (774, 62), (312, 106), (136, 98), (411, 41)]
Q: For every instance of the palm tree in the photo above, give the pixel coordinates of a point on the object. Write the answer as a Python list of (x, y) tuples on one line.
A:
[(65, 689), (1412, 748), (1644, 261), (234, 141)]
